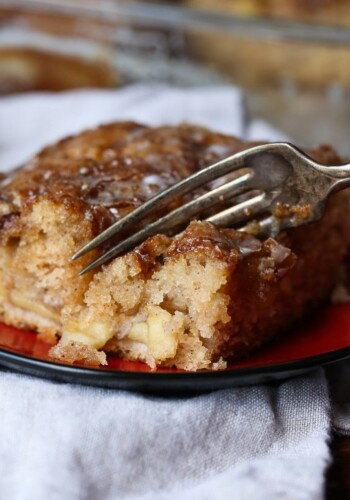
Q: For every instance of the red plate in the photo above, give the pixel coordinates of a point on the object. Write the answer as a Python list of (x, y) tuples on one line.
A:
[(323, 339)]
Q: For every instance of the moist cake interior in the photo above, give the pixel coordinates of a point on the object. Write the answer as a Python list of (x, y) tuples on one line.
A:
[(196, 300)]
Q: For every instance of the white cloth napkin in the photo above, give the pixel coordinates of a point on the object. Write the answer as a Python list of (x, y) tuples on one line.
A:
[(30, 122), (61, 441)]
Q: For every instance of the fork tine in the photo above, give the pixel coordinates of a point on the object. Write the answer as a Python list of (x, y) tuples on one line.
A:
[(196, 180), (247, 209), (268, 226), (262, 227), (210, 199), (176, 217), (254, 205)]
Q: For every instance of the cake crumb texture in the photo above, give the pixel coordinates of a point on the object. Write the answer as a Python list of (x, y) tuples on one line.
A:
[(194, 301)]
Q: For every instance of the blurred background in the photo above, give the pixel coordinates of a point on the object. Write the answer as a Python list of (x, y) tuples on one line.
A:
[(291, 59)]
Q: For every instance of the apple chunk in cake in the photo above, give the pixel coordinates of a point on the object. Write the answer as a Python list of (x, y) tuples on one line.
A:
[(194, 301)]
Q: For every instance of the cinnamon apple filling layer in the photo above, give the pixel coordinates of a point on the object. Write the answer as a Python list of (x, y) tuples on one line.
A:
[(194, 301)]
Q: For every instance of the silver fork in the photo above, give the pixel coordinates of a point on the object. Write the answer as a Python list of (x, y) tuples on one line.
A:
[(280, 183)]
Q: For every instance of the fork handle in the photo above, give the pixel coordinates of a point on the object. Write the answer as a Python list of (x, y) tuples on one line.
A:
[(340, 174)]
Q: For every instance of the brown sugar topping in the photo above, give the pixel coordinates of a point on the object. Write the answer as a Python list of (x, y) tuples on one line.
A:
[(109, 171)]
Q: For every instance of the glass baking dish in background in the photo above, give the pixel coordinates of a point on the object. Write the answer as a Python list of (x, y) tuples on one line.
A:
[(292, 62)]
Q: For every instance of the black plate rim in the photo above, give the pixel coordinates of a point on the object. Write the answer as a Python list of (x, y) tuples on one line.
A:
[(186, 381)]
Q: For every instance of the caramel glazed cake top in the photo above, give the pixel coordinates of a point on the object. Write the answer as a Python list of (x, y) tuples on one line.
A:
[(73, 190), (109, 171)]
